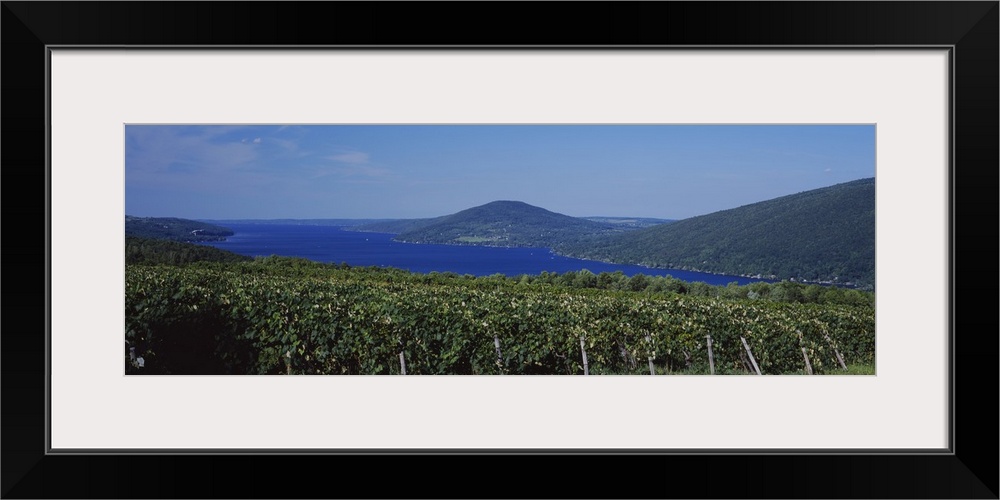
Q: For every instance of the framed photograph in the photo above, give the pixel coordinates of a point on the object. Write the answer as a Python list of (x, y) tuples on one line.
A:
[(131, 109)]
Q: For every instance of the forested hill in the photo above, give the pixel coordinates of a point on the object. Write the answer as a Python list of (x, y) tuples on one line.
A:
[(140, 250), (170, 228), (500, 223), (826, 234)]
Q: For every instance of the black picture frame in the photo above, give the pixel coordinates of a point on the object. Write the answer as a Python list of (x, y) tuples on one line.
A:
[(970, 470)]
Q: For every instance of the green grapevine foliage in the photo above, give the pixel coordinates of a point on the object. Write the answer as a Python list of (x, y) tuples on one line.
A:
[(287, 316)]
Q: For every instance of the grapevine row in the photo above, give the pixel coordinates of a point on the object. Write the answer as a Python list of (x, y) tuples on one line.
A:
[(242, 320)]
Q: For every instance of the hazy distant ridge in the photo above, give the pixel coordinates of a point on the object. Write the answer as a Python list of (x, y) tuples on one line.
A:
[(395, 226)]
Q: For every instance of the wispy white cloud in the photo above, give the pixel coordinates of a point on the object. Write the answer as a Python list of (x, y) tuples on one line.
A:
[(288, 145), (352, 157), (155, 149), (368, 171), (355, 165)]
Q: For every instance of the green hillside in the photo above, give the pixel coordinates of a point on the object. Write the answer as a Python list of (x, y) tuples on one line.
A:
[(171, 228), (505, 223), (826, 234), (140, 250)]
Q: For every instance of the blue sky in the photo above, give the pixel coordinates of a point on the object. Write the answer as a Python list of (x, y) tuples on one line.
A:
[(407, 171)]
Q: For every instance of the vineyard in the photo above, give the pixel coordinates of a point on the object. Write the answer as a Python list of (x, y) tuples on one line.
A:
[(285, 317)]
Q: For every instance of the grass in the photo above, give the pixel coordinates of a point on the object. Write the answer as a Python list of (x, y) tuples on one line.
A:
[(853, 369), (860, 370)]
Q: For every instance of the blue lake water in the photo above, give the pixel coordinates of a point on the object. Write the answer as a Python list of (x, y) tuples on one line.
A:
[(333, 244)]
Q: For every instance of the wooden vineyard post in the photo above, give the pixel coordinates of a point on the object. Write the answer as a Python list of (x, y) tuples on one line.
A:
[(496, 342), (752, 360), (402, 358), (288, 362), (652, 371), (835, 351), (711, 359), (583, 350), (809, 367)]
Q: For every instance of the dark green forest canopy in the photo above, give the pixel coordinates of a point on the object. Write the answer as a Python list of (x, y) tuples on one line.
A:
[(158, 251), (823, 235), (171, 228)]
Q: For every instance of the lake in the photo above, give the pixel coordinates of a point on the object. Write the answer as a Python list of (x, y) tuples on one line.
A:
[(332, 244)]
